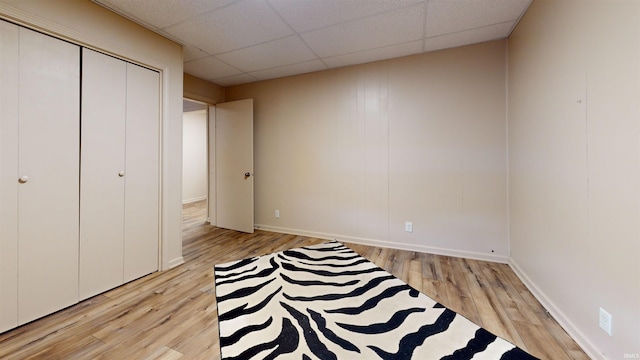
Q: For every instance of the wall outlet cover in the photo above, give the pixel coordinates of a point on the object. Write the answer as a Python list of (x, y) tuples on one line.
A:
[(605, 321)]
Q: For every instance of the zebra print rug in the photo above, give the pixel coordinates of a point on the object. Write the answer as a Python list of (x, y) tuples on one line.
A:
[(327, 302)]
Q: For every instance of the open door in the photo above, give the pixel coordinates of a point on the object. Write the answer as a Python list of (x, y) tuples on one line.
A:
[(234, 165)]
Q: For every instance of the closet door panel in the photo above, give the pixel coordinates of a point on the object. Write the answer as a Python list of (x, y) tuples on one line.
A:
[(48, 211), (142, 173), (8, 175), (102, 173)]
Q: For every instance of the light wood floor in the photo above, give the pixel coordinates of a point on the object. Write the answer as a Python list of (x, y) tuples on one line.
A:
[(172, 314)]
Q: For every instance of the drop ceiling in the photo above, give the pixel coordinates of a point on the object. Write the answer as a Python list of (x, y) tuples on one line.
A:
[(231, 42)]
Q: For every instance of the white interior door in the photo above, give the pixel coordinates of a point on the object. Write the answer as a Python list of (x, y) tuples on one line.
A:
[(49, 153), (103, 146), (234, 165)]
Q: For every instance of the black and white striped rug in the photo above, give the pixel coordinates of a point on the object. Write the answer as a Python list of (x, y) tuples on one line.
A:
[(327, 302)]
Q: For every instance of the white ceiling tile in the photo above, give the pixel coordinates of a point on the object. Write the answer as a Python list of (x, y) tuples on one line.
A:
[(262, 39), (450, 16), (234, 80), (366, 56), (209, 68), (285, 51), (239, 25), (304, 15), (487, 33), (162, 13), (399, 26), (190, 53), (282, 71)]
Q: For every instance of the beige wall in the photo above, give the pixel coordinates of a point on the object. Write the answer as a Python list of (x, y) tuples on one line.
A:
[(202, 90), (574, 75), (355, 152), (194, 156), (85, 23)]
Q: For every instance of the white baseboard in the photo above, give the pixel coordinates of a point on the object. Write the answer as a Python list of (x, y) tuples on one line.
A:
[(189, 201), (389, 244), (557, 314), (175, 262)]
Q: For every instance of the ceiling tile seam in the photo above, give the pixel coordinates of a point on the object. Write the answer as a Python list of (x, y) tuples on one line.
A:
[(226, 63), (326, 57), (198, 58), (466, 30), (284, 66), (359, 18), (312, 50), (296, 33), (196, 47), (372, 49), (293, 74), (206, 13), (222, 61), (231, 76), (155, 29), (254, 45)]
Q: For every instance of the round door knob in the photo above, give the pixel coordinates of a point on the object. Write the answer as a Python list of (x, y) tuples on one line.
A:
[(247, 174), (23, 179), (121, 173)]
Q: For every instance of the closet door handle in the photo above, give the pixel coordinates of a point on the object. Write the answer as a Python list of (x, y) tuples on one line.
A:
[(121, 174), (23, 179)]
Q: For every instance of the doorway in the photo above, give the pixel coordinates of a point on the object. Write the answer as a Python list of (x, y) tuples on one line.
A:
[(195, 180), (217, 170)]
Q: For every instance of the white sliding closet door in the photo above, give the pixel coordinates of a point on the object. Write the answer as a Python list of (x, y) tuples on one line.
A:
[(104, 81), (49, 133), (120, 173), (142, 173), (9, 80), (48, 164), (79, 193)]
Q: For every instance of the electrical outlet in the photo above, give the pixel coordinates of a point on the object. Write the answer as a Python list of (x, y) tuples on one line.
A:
[(277, 214), (605, 321), (408, 226)]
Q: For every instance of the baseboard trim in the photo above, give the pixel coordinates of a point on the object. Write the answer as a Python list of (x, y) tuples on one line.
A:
[(557, 314), (189, 201), (175, 262), (388, 244)]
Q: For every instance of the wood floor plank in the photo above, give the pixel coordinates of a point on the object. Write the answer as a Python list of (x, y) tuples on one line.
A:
[(540, 342), (173, 314), (164, 353), (495, 315), (435, 289), (523, 311), (430, 267), (457, 291), (486, 312), (413, 269)]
